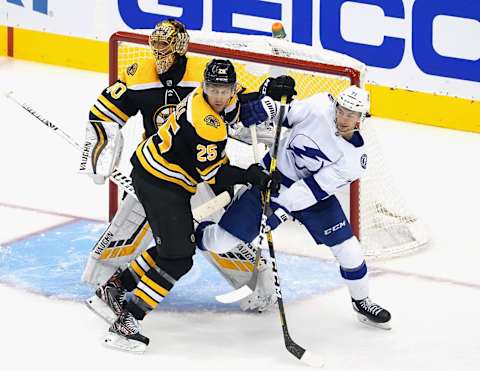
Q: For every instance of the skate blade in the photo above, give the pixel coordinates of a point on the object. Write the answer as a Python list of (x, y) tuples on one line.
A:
[(363, 319), (97, 306), (115, 341)]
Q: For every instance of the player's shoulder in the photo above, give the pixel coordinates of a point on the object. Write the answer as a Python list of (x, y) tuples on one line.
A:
[(208, 124), (194, 71), (140, 73)]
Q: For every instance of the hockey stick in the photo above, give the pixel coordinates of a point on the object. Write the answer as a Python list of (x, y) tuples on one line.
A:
[(296, 350), (117, 177)]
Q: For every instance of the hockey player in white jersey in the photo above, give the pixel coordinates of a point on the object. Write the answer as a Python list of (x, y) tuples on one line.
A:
[(323, 151)]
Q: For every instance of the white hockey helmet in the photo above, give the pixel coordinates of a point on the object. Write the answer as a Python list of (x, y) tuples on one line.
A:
[(355, 99)]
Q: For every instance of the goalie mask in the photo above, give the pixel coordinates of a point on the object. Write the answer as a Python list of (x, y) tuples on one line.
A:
[(168, 39), (352, 107)]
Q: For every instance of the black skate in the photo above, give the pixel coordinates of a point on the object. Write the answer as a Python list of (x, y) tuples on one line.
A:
[(124, 334), (108, 299), (372, 314)]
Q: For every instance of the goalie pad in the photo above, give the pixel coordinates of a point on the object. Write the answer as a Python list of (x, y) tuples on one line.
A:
[(236, 267), (129, 234), (101, 150), (126, 237)]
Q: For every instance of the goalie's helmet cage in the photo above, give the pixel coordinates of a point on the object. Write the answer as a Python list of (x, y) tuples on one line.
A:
[(220, 71), (168, 39)]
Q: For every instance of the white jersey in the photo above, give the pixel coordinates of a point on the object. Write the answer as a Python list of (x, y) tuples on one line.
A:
[(314, 160)]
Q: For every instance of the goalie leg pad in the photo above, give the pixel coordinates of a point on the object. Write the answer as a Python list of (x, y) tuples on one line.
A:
[(235, 261), (127, 236)]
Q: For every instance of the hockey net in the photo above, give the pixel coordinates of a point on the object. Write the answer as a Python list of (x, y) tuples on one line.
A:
[(376, 211)]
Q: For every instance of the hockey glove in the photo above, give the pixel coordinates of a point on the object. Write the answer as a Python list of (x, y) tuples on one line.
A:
[(276, 215), (277, 87), (257, 111), (261, 178)]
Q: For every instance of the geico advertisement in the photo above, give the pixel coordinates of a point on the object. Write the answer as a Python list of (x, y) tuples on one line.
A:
[(426, 45)]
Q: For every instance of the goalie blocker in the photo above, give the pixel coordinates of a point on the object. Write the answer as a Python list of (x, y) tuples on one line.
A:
[(101, 150)]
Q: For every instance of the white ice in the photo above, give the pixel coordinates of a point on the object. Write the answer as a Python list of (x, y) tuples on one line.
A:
[(434, 295)]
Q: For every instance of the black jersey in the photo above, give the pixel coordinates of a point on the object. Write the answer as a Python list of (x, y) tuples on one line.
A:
[(140, 88), (189, 147)]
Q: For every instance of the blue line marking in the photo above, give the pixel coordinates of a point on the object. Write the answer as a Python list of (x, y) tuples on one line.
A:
[(52, 263)]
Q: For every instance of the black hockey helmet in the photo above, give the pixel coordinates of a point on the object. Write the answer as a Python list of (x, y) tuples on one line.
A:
[(220, 71)]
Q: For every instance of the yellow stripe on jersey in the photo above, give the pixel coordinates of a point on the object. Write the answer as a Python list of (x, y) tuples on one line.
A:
[(207, 123), (204, 173), (173, 167), (112, 108), (194, 70), (145, 164), (147, 299), (155, 286), (144, 73), (100, 115)]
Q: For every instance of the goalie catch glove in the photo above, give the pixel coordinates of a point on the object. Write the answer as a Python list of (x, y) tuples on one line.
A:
[(276, 87), (101, 150), (257, 111)]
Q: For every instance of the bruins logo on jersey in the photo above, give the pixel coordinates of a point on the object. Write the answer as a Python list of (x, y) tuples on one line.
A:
[(162, 113), (132, 69), (212, 121)]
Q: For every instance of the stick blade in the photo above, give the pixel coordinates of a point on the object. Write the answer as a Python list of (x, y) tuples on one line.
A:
[(233, 296), (312, 359)]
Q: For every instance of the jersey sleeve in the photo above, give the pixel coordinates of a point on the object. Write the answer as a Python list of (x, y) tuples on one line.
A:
[(318, 186), (209, 169), (114, 104)]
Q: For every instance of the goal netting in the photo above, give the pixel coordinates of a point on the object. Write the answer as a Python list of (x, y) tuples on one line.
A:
[(377, 212)]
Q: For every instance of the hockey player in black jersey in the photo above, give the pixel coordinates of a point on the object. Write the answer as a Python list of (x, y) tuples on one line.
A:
[(152, 86), (187, 149)]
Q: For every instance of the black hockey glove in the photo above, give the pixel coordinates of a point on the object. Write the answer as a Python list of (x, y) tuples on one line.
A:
[(261, 178), (278, 87)]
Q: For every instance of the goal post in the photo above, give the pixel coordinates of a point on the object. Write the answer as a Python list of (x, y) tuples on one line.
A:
[(314, 70)]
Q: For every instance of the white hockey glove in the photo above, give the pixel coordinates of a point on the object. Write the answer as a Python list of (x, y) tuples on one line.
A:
[(258, 111), (101, 150)]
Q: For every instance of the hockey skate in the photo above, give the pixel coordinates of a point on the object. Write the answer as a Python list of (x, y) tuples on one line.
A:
[(372, 314), (108, 299), (124, 334)]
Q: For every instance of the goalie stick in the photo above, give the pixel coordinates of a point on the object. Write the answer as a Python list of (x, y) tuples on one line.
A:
[(117, 177)]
